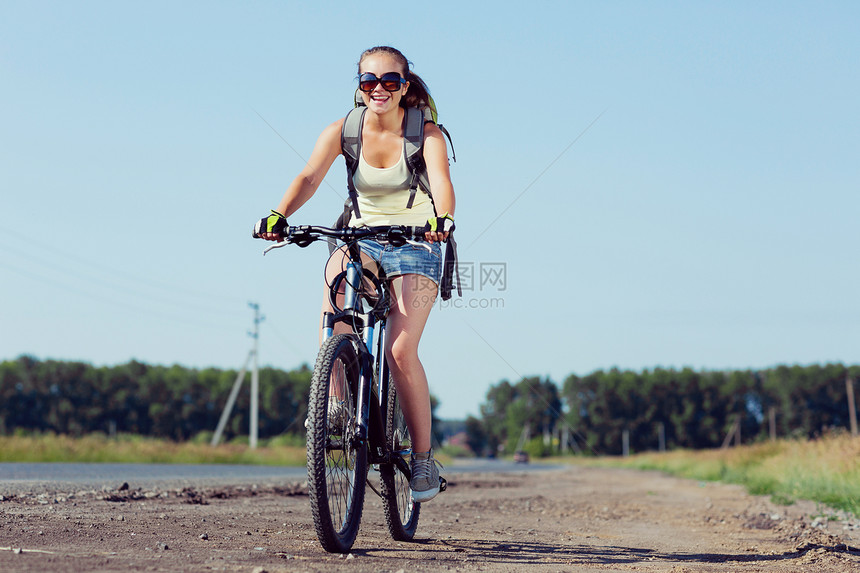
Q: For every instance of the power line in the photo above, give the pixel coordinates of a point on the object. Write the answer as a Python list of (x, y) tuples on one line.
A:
[(109, 301), (61, 256), (107, 284), (534, 391)]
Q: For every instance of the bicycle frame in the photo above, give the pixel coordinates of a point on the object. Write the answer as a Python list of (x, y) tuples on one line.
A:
[(371, 397)]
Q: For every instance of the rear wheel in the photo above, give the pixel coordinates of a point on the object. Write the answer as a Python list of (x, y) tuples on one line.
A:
[(337, 463), (401, 513)]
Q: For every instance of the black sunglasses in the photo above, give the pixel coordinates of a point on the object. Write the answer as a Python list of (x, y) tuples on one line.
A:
[(391, 82)]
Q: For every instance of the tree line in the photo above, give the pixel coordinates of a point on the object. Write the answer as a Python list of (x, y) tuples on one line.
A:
[(676, 408), (673, 408), (172, 402)]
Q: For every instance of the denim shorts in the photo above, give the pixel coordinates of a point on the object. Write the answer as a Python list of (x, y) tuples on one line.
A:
[(423, 259)]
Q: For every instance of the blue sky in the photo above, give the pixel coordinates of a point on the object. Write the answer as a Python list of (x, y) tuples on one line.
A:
[(664, 184)]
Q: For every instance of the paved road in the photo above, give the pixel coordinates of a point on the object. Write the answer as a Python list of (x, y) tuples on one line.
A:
[(38, 477), (30, 477)]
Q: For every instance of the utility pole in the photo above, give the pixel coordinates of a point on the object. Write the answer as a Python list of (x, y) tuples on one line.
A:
[(661, 436), (237, 385), (734, 432), (771, 415), (255, 379), (852, 410)]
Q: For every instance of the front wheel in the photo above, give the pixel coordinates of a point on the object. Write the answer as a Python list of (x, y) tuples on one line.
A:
[(401, 513), (337, 462)]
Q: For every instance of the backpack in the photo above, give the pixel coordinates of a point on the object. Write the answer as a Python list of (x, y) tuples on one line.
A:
[(413, 142)]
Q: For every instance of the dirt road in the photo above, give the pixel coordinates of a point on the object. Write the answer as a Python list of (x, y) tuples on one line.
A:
[(577, 519)]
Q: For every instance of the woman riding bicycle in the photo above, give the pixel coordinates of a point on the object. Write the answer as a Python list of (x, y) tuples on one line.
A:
[(382, 182)]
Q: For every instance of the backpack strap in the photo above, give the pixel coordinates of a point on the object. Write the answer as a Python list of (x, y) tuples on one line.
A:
[(450, 270), (451, 141), (350, 143), (433, 117), (413, 138), (413, 147)]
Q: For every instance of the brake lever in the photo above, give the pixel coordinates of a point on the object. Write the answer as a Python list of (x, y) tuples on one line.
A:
[(421, 244), (275, 246)]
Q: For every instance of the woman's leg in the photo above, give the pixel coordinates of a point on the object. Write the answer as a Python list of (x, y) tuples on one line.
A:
[(335, 265), (413, 296)]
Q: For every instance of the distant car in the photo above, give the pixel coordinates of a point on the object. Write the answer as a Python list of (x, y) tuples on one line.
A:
[(521, 457)]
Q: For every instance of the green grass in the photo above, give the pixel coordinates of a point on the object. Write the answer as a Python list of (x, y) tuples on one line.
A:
[(826, 470), (138, 449), (286, 450)]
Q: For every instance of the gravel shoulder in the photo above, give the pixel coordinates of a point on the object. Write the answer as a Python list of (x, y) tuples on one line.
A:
[(572, 519)]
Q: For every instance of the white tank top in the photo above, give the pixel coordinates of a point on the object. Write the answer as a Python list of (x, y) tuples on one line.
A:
[(383, 194)]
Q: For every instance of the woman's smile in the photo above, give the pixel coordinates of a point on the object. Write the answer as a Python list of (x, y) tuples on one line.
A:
[(380, 99)]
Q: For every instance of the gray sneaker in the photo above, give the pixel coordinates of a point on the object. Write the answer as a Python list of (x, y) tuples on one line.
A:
[(425, 483)]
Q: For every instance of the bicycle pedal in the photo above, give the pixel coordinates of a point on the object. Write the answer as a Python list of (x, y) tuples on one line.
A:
[(443, 484)]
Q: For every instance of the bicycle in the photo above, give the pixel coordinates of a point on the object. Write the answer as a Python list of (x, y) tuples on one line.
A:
[(354, 416)]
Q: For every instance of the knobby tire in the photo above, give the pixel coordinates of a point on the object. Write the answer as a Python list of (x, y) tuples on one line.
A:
[(337, 464), (401, 513)]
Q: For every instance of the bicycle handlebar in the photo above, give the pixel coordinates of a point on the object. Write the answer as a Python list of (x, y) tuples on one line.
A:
[(387, 232), (304, 235)]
